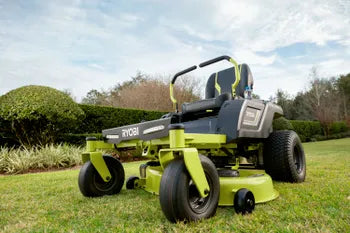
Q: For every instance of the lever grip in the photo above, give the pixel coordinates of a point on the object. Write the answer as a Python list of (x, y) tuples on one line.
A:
[(214, 60), (183, 72)]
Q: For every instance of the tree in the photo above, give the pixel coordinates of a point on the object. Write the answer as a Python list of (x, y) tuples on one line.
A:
[(301, 108), (318, 87), (323, 96), (321, 101), (95, 97), (146, 92), (326, 100), (283, 99), (111, 97), (70, 94), (343, 83), (153, 94)]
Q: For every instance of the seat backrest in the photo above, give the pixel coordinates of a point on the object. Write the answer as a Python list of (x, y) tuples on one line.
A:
[(225, 79)]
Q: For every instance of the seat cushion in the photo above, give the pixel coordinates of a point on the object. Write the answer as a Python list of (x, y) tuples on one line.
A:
[(206, 104)]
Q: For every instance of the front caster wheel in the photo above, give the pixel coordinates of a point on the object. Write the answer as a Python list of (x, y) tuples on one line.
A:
[(92, 185), (179, 197), (244, 201), (131, 182)]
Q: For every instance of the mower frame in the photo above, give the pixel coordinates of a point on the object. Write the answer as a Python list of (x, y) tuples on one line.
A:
[(164, 141)]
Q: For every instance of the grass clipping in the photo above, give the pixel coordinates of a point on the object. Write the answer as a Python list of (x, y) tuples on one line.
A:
[(21, 160)]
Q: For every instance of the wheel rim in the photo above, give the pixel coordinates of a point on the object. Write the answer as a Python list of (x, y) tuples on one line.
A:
[(298, 159), (197, 203), (103, 186), (249, 202)]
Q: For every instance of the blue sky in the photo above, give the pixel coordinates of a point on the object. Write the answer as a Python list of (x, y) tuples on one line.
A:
[(84, 45)]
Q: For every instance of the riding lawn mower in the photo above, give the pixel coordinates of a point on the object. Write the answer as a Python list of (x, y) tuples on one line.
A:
[(219, 151)]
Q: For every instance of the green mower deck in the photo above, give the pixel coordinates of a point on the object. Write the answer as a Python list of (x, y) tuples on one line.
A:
[(256, 181)]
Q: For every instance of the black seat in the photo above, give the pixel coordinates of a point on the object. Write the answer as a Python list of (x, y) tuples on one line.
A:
[(217, 92), (206, 104)]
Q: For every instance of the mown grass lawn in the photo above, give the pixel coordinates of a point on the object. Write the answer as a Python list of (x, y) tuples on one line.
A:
[(51, 202)]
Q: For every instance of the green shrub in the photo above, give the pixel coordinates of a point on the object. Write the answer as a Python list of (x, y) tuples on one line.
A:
[(94, 120), (338, 127), (77, 139), (5, 127), (98, 118), (307, 129), (282, 123), (20, 160), (331, 136), (37, 114)]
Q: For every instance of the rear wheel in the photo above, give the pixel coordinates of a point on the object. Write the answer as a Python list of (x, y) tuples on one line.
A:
[(92, 185), (179, 197), (284, 157)]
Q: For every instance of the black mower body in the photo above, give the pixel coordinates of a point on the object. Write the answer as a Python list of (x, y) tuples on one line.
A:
[(236, 118)]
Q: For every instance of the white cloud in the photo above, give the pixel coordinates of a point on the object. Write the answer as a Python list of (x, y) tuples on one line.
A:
[(248, 56), (127, 17), (334, 67), (266, 25), (68, 45)]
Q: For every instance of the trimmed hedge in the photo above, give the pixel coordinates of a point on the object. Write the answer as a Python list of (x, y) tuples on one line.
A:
[(307, 129), (37, 114), (282, 123), (98, 118), (4, 133), (312, 130), (332, 136), (338, 127), (78, 139)]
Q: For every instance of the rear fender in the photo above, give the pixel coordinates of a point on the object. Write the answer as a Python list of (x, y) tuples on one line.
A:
[(256, 119)]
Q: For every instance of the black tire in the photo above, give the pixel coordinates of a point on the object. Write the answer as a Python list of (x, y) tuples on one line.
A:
[(130, 182), (92, 185), (244, 201), (179, 197), (284, 157)]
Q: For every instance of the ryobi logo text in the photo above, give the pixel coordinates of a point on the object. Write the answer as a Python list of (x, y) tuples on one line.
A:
[(130, 132)]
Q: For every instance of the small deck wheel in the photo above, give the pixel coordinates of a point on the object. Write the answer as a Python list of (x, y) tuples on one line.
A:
[(179, 197), (244, 201), (92, 185), (131, 182)]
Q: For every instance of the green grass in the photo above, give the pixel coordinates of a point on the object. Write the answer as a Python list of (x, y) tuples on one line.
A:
[(51, 202)]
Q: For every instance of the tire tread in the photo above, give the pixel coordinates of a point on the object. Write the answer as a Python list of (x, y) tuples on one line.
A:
[(278, 156)]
